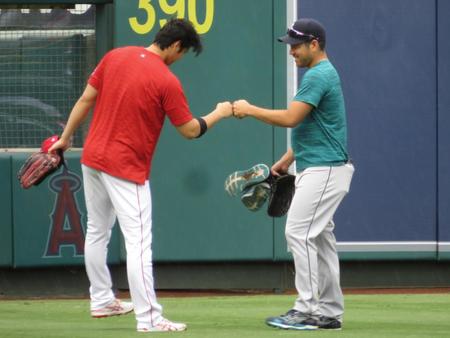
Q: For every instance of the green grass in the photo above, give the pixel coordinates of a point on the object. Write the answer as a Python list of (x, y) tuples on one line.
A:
[(381, 316)]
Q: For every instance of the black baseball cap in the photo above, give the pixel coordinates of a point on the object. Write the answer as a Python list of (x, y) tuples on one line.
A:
[(304, 30)]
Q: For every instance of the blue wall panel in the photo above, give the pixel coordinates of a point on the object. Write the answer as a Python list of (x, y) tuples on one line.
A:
[(388, 69), (444, 126)]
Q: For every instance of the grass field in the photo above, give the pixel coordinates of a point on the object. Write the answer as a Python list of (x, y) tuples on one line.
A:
[(381, 316)]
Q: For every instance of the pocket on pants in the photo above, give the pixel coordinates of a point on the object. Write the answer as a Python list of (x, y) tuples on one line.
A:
[(346, 176)]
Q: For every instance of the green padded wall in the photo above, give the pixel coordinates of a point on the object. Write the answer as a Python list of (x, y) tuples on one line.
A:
[(193, 217), (280, 135), (5, 211), (50, 219)]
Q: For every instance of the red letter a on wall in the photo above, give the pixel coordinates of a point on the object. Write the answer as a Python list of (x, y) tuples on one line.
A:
[(66, 229)]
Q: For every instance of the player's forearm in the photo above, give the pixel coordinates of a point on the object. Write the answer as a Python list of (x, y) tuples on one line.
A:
[(79, 111), (278, 118), (288, 157), (192, 129), (212, 118), (198, 126), (76, 117)]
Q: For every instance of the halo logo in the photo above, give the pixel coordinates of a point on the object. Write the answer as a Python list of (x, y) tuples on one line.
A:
[(66, 228)]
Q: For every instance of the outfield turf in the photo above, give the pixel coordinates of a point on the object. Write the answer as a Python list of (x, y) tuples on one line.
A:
[(380, 316)]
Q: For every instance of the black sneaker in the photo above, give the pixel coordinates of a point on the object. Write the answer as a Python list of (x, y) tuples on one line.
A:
[(329, 323), (293, 320)]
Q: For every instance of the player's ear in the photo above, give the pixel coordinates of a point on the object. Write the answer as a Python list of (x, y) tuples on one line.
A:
[(176, 46), (315, 44)]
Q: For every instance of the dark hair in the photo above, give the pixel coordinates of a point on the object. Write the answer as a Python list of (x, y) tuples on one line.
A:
[(320, 42), (179, 30)]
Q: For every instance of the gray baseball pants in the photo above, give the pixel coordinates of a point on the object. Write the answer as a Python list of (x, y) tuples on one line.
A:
[(310, 238)]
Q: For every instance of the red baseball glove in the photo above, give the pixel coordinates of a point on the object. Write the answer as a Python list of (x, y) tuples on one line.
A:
[(37, 167), (41, 164)]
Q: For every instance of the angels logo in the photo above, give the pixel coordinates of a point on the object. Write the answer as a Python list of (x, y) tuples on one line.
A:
[(66, 228)]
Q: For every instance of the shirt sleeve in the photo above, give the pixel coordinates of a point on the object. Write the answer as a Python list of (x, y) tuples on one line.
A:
[(312, 89), (175, 104), (96, 77)]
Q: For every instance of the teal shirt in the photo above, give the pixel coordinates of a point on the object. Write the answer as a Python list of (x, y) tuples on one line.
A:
[(321, 138)]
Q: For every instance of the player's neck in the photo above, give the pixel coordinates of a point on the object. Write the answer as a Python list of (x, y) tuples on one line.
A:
[(154, 48), (322, 56)]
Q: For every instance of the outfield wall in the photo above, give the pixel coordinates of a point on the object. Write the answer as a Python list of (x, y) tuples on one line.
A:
[(395, 74)]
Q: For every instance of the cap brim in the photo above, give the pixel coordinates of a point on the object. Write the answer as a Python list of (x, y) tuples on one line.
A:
[(290, 40)]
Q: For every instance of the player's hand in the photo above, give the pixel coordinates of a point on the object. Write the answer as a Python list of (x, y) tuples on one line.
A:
[(225, 109), (60, 144), (279, 168), (241, 109)]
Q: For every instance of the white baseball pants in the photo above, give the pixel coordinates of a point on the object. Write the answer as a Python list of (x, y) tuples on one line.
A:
[(310, 238), (108, 197)]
